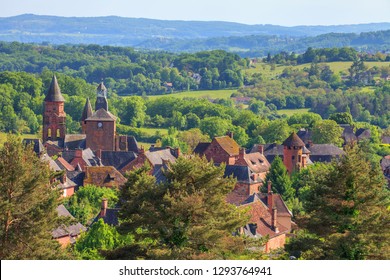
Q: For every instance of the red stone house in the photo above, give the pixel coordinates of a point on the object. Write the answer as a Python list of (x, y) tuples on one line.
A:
[(269, 217)]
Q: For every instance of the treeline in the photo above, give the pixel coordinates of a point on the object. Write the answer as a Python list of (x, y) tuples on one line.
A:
[(324, 55), (127, 71), (261, 45)]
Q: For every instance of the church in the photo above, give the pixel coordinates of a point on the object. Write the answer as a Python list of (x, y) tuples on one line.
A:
[(98, 127)]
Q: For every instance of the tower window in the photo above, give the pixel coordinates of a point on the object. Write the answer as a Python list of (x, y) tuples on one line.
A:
[(49, 132), (58, 133), (293, 157)]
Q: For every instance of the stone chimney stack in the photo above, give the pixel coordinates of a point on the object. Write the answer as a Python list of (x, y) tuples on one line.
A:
[(230, 134), (103, 210), (260, 148), (270, 199), (274, 220), (78, 153)]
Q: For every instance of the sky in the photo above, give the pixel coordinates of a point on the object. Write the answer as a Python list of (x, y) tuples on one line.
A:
[(279, 12)]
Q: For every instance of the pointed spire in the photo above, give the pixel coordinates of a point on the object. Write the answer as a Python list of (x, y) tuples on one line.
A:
[(54, 92), (87, 112), (293, 141), (101, 87)]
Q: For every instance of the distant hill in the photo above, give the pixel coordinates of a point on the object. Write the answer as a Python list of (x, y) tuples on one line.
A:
[(174, 35)]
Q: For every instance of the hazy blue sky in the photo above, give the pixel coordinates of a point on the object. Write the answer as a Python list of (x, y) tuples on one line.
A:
[(282, 12)]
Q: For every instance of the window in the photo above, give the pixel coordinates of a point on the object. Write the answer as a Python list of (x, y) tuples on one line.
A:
[(49, 132), (293, 157), (58, 133)]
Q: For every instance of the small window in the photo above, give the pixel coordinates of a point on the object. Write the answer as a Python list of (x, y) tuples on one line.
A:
[(49, 132), (293, 157), (58, 133)]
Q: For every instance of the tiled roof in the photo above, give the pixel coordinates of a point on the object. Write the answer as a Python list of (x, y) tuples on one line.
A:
[(293, 141), (228, 144), (260, 216), (118, 159), (64, 164), (305, 135), (75, 141), (278, 203), (111, 217), (201, 148), (106, 176), (52, 164), (102, 115), (239, 172), (257, 162), (158, 157), (72, 230), (54, 92), (386, 139)]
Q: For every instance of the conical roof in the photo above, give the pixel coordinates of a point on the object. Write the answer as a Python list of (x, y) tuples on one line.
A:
[(87, 112), (293, 141), (54, 92), (101, 87)]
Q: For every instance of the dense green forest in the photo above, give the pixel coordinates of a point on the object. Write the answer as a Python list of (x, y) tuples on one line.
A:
[(362, 92)]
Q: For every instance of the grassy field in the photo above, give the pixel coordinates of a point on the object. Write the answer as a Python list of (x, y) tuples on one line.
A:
[(212, 94), (3, 137), (290, 112), (152, 131)]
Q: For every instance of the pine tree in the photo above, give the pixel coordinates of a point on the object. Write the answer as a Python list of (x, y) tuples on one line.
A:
[(187, 216), (349, 209), (281, 182), (27, 205)]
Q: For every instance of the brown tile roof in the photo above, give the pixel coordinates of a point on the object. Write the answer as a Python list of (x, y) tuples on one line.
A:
[(102, 115), (54, 92), (257, 162), (260, 216), (61, 161), (293, 141), (228, 144), (106, 176), (278, 203)]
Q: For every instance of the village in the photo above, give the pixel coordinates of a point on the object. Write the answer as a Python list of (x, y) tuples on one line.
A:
[(101, 157)]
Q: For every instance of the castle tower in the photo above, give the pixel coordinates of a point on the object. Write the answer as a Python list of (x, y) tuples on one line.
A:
[(101, 100), (87, 112), (292, 153), (54, 115)]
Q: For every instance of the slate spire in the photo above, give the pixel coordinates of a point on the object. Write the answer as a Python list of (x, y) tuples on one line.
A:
[(87, 112), (54, 92), (101, 100)]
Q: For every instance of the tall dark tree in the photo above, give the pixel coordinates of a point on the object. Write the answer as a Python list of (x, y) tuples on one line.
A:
[(187, 216), (348, 209), (27, 205), (281, 182)]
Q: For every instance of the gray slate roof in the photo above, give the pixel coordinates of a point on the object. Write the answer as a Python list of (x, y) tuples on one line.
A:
[(102, 115), (72, 230), (118, 159), (75, 141), (36, 143)]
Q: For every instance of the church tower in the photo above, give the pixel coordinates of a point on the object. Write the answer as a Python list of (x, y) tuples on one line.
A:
[(54, 116), (101, 100), (100, 126), (293, 158)]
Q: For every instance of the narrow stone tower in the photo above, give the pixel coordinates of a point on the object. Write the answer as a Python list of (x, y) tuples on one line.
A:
[(292, 153), (54, 116)]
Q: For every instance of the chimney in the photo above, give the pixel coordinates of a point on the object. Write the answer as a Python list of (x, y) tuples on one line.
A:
[(103, 210), (230, 134), (270, 199), (274, 220), (177, 152), (260, 148), (142, 150), (78, 153)]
